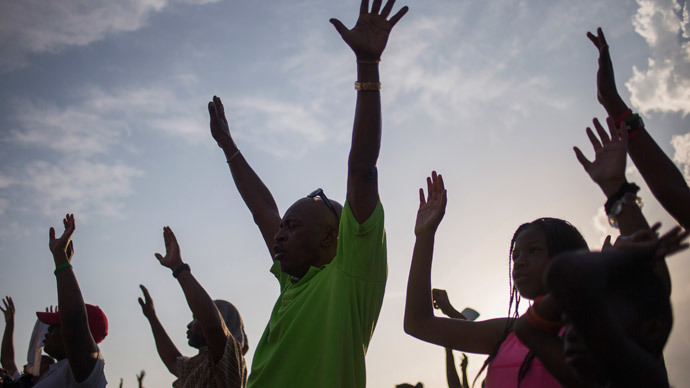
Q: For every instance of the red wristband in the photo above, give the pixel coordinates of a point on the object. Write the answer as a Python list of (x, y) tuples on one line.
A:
[(622, 117)]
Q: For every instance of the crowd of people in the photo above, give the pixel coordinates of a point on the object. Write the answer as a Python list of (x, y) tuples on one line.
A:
[(331, 265)]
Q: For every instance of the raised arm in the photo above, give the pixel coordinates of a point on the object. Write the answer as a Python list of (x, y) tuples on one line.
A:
[(452, 373), (659, 172), (7, 351), (254, 193), (80, 347), (608, 172), (367, 39), (166, 348), (420, 322), (201, 304)]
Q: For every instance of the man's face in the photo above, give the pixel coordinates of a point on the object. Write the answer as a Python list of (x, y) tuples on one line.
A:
[(297, 241), (195, 336), (52, 342)]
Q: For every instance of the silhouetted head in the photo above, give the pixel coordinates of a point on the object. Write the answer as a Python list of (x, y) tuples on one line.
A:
[(233, 321), (532, 247), (53, 344), (308, 235), (640, 307)]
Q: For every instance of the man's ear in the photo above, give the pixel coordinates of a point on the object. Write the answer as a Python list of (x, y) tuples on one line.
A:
[(330, 236)]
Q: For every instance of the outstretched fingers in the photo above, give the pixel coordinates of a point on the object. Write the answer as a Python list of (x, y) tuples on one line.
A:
[(396, 18), (582, 159), (387, 8), (601, 132), (376, 6)]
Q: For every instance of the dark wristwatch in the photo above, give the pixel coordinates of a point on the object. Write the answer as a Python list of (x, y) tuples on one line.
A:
[(633, 123)]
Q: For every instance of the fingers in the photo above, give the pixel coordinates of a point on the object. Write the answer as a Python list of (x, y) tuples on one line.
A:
[(339, 26), (602, 38), (363, 7), (376, 6), (600, 130), (387, 8), (145, 291), (582, 159), (421, 197), (429, 188), (398, 16), (607, 243), (593, 139)]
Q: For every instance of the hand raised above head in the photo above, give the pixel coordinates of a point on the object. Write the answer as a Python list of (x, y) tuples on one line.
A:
[(172, 258), (439, 298), (146, 304), (607, 92), (608, 168), (62, 247), (220, 130), (8, 311), (431, 209), (650, 247), (369, 36)]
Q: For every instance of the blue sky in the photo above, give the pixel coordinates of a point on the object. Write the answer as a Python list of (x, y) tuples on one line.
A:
[(103, 113)]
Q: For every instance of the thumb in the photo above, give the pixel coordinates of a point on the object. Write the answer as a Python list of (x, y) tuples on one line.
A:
[(159, 257), (51, 233), (141, 302), (339, 26)]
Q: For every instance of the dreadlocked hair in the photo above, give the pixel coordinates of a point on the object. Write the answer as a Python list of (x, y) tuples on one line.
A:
[(561, 236)]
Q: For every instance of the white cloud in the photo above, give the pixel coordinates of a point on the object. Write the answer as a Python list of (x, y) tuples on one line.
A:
[(665, 85), (36, 26), (283, 129), (600, 221), (79, 186), (681, 144)]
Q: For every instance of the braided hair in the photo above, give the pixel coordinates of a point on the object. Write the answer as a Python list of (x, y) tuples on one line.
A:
[(561, 236)]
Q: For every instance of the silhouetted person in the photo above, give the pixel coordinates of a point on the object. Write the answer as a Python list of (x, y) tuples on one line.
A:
[(76, 329), (330, 260), (216, 330)]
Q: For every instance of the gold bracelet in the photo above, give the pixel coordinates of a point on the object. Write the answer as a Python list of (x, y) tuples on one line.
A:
[(233, 156), (367, 86)]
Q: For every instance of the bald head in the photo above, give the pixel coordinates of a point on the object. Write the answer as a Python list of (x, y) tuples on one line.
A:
[(308, 235)]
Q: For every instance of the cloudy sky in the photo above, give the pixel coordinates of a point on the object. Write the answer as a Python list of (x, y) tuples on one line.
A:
[(103, 114)]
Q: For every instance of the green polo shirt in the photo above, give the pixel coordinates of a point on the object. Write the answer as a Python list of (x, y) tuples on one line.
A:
[(321, 324)]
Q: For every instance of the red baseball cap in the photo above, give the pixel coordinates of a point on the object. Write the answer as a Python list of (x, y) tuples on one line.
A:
[(98, 322)]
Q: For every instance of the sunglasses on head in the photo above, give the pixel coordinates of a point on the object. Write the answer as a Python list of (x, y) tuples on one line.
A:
[(319, 193)]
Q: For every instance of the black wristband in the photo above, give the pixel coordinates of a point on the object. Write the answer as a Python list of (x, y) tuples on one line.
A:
[(177, 271), (618, 195)]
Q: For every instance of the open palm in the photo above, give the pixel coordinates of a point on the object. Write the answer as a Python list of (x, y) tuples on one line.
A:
[(433, 207)]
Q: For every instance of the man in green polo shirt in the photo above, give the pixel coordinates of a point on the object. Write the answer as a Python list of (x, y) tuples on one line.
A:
[(330, 260)]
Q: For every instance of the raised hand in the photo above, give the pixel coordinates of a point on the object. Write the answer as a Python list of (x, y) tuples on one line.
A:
[(172, 258), (140, 378), (647, 245), (608, 168), (220, 130), (8, 311), (607, 93), (431, 209), (369, 36), (147, 303), (62, 248)]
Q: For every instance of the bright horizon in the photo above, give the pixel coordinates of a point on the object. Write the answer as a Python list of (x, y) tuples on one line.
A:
[(103, 114)]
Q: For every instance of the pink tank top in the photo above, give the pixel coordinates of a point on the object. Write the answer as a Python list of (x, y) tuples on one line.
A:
[(503, 370)]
